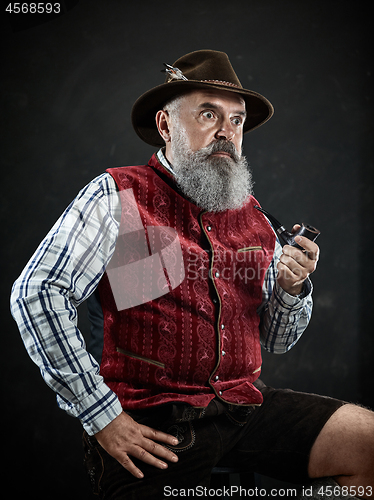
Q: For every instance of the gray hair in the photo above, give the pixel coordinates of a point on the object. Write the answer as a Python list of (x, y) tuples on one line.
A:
[(173, 106)]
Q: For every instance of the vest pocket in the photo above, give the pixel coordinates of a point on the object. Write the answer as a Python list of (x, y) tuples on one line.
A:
[(140, 358), (249, 249)]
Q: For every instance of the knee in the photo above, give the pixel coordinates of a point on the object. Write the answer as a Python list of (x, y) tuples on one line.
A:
[(345, 446), (361, 438)]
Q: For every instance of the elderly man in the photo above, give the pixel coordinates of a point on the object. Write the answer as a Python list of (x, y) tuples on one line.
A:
[(186, 280)]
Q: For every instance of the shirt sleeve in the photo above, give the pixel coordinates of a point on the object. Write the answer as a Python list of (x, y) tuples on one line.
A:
[(283, 316), (65, 269)]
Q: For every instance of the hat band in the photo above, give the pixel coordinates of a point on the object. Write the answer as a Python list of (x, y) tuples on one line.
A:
[(221, 82)]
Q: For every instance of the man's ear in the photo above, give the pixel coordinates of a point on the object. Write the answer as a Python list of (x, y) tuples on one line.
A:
[(162, 122)]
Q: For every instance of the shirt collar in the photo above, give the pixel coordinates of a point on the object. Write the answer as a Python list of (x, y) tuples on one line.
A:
[(164, 162)]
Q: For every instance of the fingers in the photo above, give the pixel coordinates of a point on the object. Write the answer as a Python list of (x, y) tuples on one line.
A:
[(124, 438), (310, 247), (311, 251), (295, 265), (155, 435), (129, 465), (150, 444), (146, 453)]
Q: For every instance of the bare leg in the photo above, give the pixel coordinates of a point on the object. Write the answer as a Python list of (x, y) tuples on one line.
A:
[(344, 450)]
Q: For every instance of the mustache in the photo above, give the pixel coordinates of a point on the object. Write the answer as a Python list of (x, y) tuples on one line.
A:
[(221, 145)]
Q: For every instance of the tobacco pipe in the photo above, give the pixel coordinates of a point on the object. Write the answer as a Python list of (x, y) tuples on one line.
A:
[(286, 237)]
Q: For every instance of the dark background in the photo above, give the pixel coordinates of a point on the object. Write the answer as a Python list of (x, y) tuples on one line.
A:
[(67, 90)]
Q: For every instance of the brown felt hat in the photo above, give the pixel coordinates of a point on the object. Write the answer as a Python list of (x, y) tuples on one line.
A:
[(203, 69)]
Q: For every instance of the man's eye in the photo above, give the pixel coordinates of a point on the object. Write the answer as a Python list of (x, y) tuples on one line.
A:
[(237, 121), (208, 114)]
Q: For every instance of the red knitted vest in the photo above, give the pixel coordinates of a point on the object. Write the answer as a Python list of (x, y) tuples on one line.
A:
[(200, 339)]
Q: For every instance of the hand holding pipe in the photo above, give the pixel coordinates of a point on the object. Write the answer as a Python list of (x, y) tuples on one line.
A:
[(286, 237)]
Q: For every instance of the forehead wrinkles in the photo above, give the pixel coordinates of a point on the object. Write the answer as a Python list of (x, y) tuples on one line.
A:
[(223, 98)]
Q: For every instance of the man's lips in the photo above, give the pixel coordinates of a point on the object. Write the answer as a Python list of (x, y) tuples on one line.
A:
[(221, 153)]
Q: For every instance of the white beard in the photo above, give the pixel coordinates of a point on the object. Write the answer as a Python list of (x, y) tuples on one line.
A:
[(213, 183)]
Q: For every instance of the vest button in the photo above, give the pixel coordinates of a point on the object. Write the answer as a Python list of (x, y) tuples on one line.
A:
[(216, 377), (220, 393), (223, 353), (216, 274), (208, 228), (222, 327)]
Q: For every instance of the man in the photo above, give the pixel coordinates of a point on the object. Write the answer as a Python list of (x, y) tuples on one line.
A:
[(186, 280)]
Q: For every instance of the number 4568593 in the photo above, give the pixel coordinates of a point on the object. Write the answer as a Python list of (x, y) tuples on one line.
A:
[(33, 8)]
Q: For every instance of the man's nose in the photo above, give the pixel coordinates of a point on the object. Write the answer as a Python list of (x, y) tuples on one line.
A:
[(225, 131)]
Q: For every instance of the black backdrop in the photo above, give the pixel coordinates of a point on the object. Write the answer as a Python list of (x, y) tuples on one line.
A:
[(66, 98)]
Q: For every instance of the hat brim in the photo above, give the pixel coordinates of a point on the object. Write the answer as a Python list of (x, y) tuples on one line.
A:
[(143, 115)]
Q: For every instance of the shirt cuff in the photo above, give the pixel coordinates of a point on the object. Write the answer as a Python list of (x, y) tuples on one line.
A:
[(95, 411), (291, 300)]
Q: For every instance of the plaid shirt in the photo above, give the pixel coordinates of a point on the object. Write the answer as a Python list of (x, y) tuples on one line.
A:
[(66, 269)]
